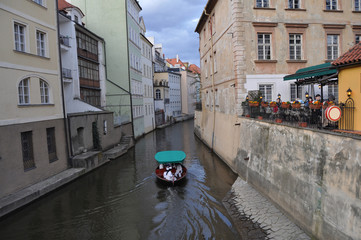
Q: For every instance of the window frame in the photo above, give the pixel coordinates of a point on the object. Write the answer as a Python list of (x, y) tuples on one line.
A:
[(293, 91), (44, 92), (332, 46), (18, 44), (158, 95), (24, 92), (41, 43), (329, 5), (27, 149), (263, 45), (266, 96), (263, 3), (357, 38), (294, 46), (357, 6), (51, 143), (39, 2), (291, 4)]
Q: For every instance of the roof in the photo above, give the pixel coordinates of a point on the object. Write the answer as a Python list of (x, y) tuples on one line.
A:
[(203, 19), (323, 74), (173, 62), (353, 55), (194, 69), (62, 5), (170, 156)]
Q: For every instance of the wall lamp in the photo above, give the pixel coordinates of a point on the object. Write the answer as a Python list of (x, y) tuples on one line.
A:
[(349, 91), (306, 94), (279, 95)]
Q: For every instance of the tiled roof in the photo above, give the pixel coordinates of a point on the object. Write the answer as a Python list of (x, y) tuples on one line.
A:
[(173, 62), (194, 69), (353, 55), (62, 4)]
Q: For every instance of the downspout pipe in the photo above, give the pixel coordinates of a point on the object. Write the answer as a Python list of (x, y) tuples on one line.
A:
[(130, 87), (213, 89), (66, 128)]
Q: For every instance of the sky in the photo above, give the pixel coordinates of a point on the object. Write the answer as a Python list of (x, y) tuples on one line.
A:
[(172, 23)]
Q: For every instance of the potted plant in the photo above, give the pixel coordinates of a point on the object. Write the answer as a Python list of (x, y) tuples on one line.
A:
[(264, 104), (315, 105), (253, 103), (285, 105), (273, 104), (296, 104)]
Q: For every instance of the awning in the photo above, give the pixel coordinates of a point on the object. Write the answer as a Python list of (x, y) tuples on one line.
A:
[(314, 74)]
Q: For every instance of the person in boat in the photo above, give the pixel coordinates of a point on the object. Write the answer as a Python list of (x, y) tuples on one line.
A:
[(178, 171), (168, 175)]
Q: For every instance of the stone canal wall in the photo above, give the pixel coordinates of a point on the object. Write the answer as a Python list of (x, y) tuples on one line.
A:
[(313, 176)]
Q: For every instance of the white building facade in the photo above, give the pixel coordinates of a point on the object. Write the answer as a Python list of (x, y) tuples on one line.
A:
[(175, 96)]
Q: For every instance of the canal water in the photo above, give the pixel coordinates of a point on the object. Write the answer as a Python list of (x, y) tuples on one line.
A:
[(123, 199)]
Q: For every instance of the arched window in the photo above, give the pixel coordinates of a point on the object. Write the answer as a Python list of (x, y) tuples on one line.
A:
[(44, 91), (157, 94), (23, 89)]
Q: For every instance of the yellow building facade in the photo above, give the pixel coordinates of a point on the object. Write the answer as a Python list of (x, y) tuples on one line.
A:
[(32, 140)]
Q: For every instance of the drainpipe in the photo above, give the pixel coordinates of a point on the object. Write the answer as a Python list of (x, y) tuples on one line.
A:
[(213, 90), (130, 87), (62, 89)]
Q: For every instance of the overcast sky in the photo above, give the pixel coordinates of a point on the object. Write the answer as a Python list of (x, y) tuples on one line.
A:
[(172, 23)]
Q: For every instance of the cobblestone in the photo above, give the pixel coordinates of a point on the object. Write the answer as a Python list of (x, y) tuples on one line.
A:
[(256, 217)]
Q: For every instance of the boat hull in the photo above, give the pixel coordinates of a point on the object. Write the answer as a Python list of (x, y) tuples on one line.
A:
[(160, 173)]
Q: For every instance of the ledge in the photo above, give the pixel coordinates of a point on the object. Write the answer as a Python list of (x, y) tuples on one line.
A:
[(337, 11), (31, 54), (261, 8), (295, 9), (296, 25), (37, 105), (334, 26), (265, 61), (356, 11), (264, 24), (296, 61)]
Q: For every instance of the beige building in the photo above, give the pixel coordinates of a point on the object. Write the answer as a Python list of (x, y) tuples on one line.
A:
[(32, 140), (251, 45)]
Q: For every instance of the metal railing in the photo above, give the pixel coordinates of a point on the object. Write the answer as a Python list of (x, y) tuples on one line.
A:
[(302, 116)]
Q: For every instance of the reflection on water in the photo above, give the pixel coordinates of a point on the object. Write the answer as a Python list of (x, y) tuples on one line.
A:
[(124, 200)]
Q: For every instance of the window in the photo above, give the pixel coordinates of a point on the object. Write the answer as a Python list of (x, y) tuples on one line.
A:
[(40, 43), (27, 150), (262, 3), (264, 46), (50, 136), (44, 92), (295, 46), (19, 31), (357, 5), (91, 96), (333, 90), (40, 2), (266, 91), (331, 4), (357, 39), (294, 93), (23, 90), (294, 4), (157, 94), (76, 19), (332, 46)]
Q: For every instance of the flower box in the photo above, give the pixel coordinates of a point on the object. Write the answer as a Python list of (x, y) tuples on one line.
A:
[(272, 104), (254, 104), (260, 118), (315, 106), (285, 105), (278, 120), (263, 104), (302, 124), (296, 105)]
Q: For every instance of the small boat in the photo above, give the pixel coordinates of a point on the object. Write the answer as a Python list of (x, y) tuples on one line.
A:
[(170, 168)]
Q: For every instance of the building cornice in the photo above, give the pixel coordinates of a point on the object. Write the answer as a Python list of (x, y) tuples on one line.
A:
[(203, 19)]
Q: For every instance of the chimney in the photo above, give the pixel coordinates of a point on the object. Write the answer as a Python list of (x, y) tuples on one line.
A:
[(177, 58)]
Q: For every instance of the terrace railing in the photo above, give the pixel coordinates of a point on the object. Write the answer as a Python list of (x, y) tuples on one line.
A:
[(312, 116)]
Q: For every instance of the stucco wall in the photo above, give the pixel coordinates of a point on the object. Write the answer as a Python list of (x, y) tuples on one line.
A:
[(314, 176), (11, 157), (109, 137)]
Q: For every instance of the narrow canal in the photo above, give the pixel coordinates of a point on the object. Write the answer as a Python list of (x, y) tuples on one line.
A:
[(123, 200)]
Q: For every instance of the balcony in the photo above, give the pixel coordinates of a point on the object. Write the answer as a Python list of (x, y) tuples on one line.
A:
[(66, 74), (64, 41)]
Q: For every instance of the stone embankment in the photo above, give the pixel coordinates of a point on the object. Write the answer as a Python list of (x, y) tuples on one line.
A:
[(256, 217)]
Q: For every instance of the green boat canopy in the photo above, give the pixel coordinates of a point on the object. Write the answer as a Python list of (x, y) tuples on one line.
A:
[(170, 156), (317, 73)]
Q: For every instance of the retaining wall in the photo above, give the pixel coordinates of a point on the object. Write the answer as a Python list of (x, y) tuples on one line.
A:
[(314, 176)]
